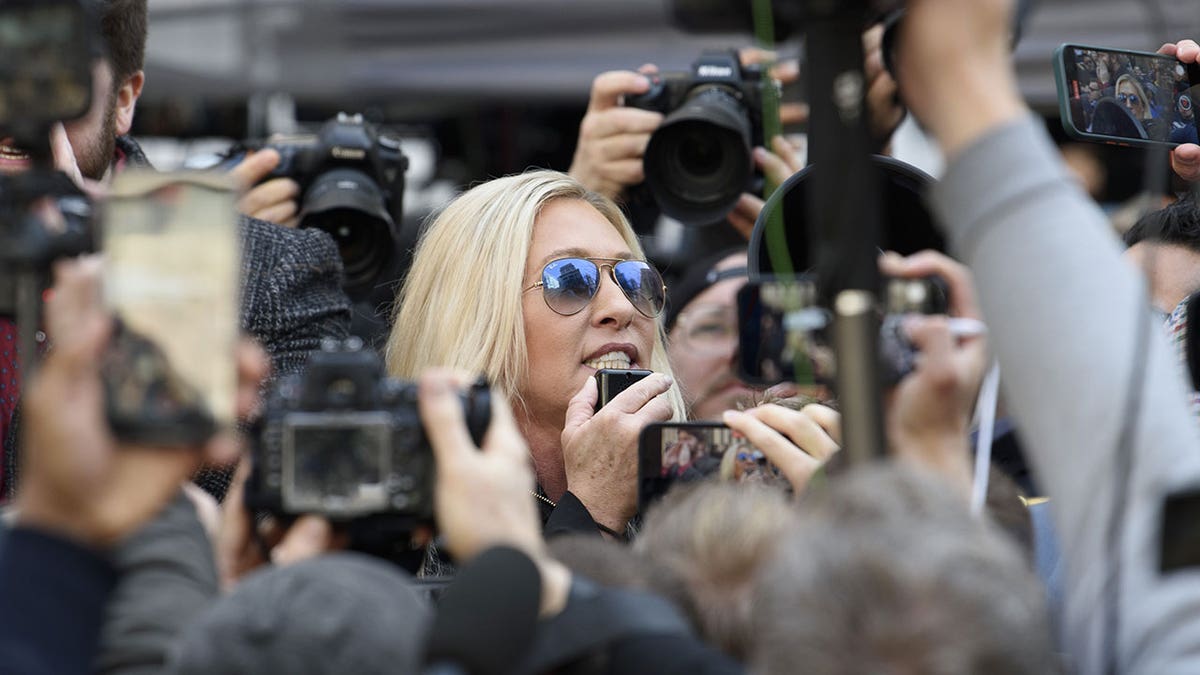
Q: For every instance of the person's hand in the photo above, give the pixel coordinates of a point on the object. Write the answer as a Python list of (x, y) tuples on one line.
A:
[(63, 156), (885, 111), (600, 449), (929, 412), (791, 113), (484, 496), (243, 544), (1185, 159), (954, 68), (76, 481), (274, 201), (777, 167), (797, 442), (613, 138)]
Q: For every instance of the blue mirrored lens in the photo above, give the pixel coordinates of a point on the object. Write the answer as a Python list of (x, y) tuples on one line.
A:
[(569, 284), (642, 285)]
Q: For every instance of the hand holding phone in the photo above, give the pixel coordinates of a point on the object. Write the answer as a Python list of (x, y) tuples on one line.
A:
[(613, 381), (1126, 97), (171, 280)]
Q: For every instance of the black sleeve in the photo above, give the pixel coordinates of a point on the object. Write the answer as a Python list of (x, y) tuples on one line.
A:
[(53, 593), (668, 654), (570, 516), (292, 295)]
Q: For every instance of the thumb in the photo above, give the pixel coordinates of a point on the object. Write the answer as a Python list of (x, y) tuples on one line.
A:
[(582, 407), (309, 537)]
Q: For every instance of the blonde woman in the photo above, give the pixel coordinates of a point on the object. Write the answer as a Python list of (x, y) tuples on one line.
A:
[(535, 282)]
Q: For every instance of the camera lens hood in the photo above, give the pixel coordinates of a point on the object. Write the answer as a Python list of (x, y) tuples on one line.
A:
[(907, 225), (699, 162), (350, 206)]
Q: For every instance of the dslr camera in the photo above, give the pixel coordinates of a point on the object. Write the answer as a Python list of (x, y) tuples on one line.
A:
[(46, 65), (785, 335), (344, 441), (351, 179), (699, 160)]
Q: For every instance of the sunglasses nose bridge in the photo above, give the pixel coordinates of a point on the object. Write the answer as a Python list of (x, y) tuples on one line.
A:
[(618, 303)]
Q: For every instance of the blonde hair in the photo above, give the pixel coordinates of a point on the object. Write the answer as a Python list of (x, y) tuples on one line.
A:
[(1139, 90), (460, 305)]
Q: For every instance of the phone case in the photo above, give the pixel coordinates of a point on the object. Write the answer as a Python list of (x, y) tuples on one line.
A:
[(610, 382), (172, 261), (1063, 79)]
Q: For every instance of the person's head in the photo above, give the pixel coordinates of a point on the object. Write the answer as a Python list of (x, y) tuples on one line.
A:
[(887, 571), (1129, 93), (702, 335), (1165, 245), (1094, 91), (706, 544), (607, 562), (117, 86), (338, 613), (481, 294), (1102, 72)]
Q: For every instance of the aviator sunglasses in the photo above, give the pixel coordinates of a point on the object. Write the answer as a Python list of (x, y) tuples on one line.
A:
[(569, 284)]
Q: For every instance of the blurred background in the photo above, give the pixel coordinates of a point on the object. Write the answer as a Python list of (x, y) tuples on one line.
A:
[(482, 88)]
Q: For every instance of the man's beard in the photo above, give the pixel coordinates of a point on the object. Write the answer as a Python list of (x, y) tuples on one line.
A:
[(95, 158)]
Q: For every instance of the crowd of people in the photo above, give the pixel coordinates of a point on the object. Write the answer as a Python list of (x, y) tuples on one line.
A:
[(1154, 92), (129, 558)]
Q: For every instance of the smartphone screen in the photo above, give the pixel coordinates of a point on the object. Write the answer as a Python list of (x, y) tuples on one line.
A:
[(172, 261), (673, 452), (1126, 97)]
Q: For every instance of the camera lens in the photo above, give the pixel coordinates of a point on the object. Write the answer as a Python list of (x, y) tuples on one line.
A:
[(350, 206), (698, 162)]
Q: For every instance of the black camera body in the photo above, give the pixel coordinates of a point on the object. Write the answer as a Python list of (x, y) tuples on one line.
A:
[(344, 441), (785, 335), (699, 161), (351, 179)]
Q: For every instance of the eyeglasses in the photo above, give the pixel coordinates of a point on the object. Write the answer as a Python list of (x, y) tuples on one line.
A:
[(1129, 99), (708, 329), (569, 284)]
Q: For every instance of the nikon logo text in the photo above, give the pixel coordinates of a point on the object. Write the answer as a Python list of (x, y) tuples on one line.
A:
[(348, 153), (715, 71)]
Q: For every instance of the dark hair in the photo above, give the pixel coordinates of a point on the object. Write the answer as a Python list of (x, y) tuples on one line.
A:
[(123, 24), (1177, 224)]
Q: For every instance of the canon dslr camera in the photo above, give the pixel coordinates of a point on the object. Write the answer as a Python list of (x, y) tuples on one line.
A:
[(351, 180), (344, 441), (699, 160)]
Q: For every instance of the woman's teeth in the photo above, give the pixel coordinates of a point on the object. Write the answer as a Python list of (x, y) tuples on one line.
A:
[(617, 360)]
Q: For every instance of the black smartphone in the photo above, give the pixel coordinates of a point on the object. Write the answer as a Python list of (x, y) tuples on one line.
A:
[(612, 381), (686, 452), (1125, 97)]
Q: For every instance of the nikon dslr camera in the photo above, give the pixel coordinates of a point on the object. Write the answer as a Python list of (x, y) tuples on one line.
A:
[(344, 441), (699, 160)]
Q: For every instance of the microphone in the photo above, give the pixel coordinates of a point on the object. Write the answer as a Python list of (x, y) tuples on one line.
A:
[(487, 618)]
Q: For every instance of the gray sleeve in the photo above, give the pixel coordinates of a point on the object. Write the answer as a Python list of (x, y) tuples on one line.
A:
[(168, 576), (1065, 315)]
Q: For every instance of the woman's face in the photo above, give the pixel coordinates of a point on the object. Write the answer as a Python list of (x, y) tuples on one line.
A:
[(564, 351), (1129, 97)]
